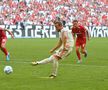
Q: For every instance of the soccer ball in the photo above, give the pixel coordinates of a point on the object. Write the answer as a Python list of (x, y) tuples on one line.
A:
[(8, 69)]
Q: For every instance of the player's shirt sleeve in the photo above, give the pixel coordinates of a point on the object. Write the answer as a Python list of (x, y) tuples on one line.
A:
[(83, 28)]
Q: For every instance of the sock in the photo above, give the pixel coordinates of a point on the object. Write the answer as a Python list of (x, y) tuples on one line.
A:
[(78, 55), (5, 51)]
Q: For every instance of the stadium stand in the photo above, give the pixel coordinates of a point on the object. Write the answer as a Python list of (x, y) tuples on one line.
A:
[(88, 12)]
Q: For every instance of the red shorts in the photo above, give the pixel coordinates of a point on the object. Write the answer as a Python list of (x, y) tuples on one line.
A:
[(81, 42), (3, 42)]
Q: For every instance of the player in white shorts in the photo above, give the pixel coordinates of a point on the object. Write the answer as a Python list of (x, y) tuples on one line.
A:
[(64, 48)]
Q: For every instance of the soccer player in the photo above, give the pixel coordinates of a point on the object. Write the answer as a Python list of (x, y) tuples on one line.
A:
[(3, 39), (81, 33), (63, 47)]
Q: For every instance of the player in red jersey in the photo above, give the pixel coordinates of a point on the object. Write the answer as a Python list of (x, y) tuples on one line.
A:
[(3, 39), (81, 33)]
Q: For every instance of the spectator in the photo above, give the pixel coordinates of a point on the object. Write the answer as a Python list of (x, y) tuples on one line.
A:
[(89, 11)]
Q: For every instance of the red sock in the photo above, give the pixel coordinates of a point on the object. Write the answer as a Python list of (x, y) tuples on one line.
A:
[(5, 51), (78, 55)]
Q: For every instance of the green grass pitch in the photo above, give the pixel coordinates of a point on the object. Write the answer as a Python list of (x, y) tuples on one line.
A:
[(92, 74)]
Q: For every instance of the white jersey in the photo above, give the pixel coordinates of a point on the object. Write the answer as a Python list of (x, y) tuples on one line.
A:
[(67, 33)]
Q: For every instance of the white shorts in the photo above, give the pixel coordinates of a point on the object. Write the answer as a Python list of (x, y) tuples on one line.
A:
[(62, 53)]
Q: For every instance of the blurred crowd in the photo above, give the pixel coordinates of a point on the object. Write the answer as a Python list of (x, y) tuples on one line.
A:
[(88, 12)]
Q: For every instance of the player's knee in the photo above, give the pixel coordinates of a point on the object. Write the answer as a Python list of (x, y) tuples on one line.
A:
[(82, 50), (77, 49), (2, 46), (56, 57)]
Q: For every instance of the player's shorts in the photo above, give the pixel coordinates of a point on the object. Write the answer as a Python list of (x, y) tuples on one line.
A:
[(81, 42), (3, 42), (62, 53)]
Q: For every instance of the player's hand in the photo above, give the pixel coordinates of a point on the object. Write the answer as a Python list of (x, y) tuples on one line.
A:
[(52, 50), (12, 37), (64, 49), (88, 39)]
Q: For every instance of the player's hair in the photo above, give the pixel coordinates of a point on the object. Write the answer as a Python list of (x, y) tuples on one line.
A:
[(59, 23), (75, 20)]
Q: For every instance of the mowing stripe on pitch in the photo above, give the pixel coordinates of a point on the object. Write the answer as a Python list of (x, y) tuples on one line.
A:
[(28, 62)]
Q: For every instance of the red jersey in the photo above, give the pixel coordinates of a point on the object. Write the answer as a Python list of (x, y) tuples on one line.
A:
[(2, 33), (80, 32)]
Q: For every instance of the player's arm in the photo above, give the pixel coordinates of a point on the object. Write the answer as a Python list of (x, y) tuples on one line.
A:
[(64, 40), (54, 21), (87, 34), (57, 46), (73, 34), (9, 33)]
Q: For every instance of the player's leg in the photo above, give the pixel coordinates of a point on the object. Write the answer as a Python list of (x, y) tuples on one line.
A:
[(49, 59), (78, 52), (54, 66), (3, 48), (54, 59), (44, 61), (83, 48), (59, 55), (84, 51)]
